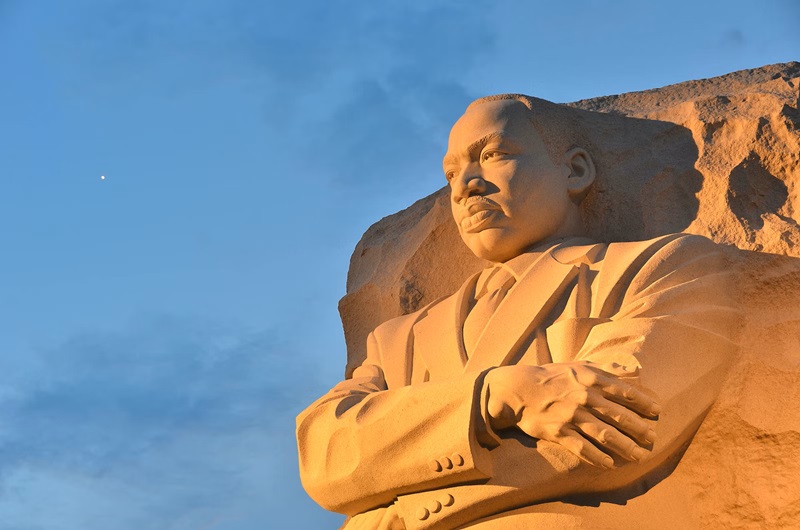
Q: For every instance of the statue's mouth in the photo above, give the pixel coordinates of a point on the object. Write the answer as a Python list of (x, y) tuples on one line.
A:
[(479, 203), (479, 220)]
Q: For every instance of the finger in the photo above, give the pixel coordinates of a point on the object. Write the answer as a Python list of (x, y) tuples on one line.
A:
[(617, 390), (571, 440), (608, 437), (620, 417), (627, 395)]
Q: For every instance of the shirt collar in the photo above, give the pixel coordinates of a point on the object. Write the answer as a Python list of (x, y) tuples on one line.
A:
[(519, 265)]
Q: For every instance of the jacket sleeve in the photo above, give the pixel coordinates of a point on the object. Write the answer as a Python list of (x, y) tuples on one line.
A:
[(361, 445), (676, 317)]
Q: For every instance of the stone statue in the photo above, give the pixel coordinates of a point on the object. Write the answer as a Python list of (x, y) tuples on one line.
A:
[(565, 370)]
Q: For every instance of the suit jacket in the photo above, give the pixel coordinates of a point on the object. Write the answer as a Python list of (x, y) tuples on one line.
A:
[(404, 439)]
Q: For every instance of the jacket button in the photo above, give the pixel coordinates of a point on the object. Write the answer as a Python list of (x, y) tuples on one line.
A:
[(448, 500), (436, 506), (422, 514), (435, 465), (447, 463), (457, 459)]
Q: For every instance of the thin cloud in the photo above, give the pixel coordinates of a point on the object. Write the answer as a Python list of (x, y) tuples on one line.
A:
[(734, 37), (363, 93), (173, 422)]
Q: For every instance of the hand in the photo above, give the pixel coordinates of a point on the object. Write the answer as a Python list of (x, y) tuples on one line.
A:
[(579, 405)]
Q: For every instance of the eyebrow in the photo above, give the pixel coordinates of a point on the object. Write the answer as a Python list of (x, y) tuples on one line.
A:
[(477, 145)]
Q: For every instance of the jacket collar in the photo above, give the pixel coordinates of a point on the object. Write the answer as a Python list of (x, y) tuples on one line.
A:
[(542, 275)]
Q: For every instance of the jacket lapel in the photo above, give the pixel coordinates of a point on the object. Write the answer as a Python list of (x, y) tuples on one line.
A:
[(524, 309), (438, 335)]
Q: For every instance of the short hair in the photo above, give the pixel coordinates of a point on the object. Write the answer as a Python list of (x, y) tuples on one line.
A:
[(558, 126)]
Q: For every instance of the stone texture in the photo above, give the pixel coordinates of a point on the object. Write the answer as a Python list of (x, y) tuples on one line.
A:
[(741, 469), (717, 157), (745, 187)]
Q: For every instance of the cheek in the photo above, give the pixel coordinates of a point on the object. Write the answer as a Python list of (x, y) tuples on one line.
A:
[(521, 192)]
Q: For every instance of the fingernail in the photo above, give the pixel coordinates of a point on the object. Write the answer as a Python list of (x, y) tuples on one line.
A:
[(638, 454), (655, 409), (650, 436), (608, 462)]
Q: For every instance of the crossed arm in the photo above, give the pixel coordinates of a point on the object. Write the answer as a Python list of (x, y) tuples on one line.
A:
[(588, 409), (363, 445)]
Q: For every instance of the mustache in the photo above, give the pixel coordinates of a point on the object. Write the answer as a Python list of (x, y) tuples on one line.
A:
[(479, 202)]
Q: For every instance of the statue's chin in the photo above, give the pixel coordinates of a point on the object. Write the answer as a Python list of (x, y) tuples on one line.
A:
[(492, 245)]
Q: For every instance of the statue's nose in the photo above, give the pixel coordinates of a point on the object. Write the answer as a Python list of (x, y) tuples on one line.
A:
[(470, 182)]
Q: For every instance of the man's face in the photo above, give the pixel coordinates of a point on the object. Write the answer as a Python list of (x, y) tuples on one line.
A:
[(507, 194)]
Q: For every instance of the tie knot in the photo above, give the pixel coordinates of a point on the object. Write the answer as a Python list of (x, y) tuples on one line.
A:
[(496, 278)]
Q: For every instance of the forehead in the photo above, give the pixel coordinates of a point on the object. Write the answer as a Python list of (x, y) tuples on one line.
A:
[(508, 117)]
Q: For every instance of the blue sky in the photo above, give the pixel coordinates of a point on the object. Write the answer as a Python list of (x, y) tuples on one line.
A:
[(161, 328)]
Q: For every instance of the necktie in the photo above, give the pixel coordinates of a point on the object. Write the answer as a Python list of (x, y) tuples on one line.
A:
[(488, 296)]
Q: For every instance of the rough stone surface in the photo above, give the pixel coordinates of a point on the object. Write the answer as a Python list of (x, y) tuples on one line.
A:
[(717, 157), (741, 470), (745, 185)]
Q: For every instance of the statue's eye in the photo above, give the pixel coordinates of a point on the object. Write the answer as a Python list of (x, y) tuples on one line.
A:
[(486, 155), (450, 175)]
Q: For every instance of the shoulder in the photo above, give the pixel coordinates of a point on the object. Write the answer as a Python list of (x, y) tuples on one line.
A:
[(393, 333), (391, 345), (632, 269), (669, 251), (685, 265), (635, 253), (404, 323), (665, 245), (401, 324)]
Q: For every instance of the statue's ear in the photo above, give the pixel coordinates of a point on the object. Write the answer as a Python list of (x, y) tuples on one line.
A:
[(582, 172)]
